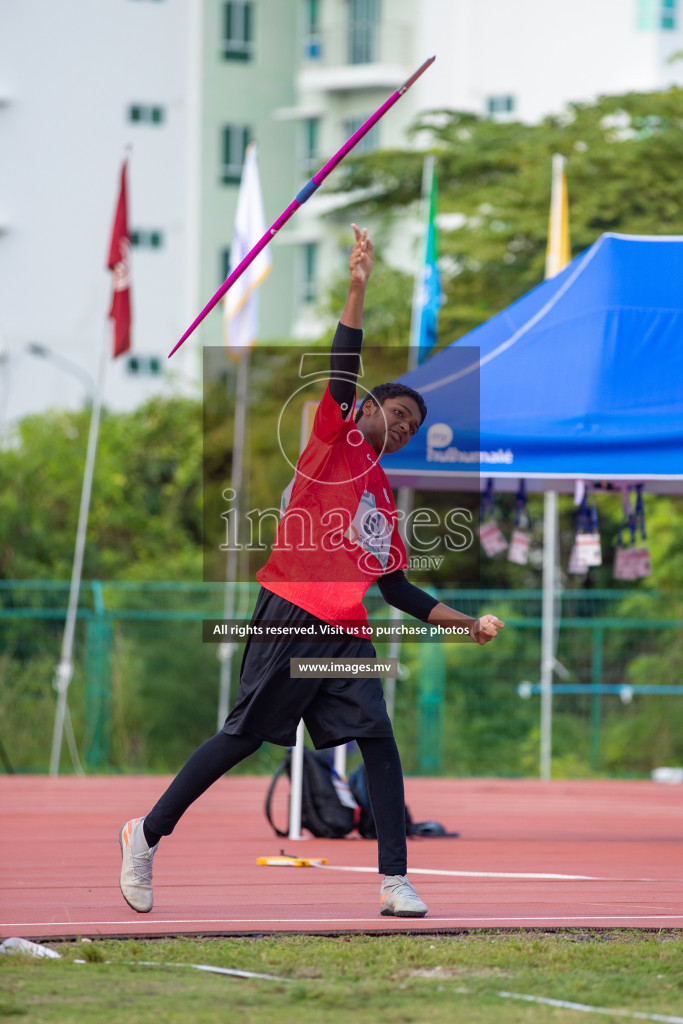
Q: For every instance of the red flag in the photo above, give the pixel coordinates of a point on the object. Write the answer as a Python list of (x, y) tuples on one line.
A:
[(119, 263)]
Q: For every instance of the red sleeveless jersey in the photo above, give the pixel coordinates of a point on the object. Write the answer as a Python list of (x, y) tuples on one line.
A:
[(338, 532)]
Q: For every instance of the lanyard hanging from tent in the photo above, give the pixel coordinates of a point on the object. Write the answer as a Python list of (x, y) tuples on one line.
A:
[(587, 516), (487, 504), (642, 565), (519, 542), (629, 516), (522, 519), (640, 512), (632, 563), (587, 550), (626, 502), (492, 540), (582, 516)]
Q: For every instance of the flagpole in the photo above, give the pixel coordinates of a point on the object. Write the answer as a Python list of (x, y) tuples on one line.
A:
[(118, 261), (416, 313), (240, 331), (557, 256), (548, 633), (240, 421), (64, 670)]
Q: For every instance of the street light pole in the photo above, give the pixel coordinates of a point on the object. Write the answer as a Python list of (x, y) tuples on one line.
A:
[(35, 348), (4, 392), (43, 352), (64, 670)]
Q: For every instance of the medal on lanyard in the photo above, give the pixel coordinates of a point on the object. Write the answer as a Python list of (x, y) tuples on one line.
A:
[(587, 539), (622, 558), (640, 556), (575, 566), (519, 542), (630, 563)]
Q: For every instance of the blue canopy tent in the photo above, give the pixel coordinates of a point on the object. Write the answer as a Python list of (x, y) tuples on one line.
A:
[(580, 379)]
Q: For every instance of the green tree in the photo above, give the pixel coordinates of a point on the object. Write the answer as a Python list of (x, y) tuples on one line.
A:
[(145, 511), (623, 154)]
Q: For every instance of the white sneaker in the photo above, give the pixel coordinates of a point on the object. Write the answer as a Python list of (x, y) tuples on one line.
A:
[(136, 866), (399, 899)]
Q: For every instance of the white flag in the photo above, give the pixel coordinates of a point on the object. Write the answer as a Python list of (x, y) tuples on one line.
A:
[(240, 305)]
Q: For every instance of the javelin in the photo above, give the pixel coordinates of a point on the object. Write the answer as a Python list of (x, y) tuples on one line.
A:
[(301, 198)]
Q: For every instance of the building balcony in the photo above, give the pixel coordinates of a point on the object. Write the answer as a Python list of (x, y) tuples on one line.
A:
[(360, 55)]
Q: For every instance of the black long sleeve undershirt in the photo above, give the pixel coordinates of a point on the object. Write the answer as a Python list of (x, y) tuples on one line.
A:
[(404, 595), (344, 365)]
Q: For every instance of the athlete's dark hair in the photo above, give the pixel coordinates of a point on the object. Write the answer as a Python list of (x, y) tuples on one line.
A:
[(393, 389)]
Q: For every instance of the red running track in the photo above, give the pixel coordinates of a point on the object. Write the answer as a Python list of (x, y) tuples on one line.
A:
[(521, 841)]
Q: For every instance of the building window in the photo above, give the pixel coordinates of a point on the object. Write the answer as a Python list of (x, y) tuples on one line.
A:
[(147, 239), (313, 44), (364, 19), (657, 14), (496, 105), (238, 34), (311, 131), (144, 366), (224, 264), (309, 288), (369, 142), (235, 139), (146, 114)]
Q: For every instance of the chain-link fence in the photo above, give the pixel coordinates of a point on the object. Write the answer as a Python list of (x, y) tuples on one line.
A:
[(145, 688)]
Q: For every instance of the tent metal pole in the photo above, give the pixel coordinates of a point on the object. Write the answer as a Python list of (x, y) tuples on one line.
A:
[(548, 628), (296, 784)]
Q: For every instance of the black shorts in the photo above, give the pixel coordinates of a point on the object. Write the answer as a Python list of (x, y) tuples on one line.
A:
[(270, 703)]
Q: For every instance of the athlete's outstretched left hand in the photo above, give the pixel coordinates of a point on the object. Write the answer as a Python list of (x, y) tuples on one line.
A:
[(484, 629)]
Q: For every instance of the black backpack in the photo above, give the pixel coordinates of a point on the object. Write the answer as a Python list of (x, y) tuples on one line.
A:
[(322, 812), (366, 820)]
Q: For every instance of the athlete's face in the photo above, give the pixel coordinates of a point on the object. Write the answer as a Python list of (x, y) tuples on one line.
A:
[(389, 428)]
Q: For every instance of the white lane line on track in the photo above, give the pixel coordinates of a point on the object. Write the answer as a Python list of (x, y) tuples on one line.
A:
[(495, 874), (16, 926), (585, 1008)]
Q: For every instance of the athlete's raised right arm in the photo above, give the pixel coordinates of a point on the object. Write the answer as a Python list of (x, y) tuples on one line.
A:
[(360, 268), (345, 353)]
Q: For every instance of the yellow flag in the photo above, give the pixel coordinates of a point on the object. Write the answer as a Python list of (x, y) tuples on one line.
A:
[(558, 252)]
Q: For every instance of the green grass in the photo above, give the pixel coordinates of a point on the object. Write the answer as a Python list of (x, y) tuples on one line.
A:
[(363, 979)]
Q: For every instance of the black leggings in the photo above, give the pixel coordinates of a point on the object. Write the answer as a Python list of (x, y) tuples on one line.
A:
[(223, 751)]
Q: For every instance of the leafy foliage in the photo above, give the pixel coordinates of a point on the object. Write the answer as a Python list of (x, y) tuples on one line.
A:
[(623, 154), (145, 511)]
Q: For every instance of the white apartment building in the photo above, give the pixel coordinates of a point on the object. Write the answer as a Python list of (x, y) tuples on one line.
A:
[(186, 83), (80, 82), (506, 59)]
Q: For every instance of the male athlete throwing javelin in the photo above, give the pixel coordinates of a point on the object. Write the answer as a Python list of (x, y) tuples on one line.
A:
[(342, 495)]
